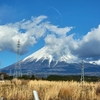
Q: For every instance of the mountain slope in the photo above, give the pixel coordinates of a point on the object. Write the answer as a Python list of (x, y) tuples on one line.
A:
[(43, 63)]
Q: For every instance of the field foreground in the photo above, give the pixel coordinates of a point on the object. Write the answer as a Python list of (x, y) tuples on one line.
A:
[(49, 90)]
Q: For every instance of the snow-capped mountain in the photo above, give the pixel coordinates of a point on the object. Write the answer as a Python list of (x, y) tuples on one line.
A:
[(40, 54), (44, 54), (45, 63)]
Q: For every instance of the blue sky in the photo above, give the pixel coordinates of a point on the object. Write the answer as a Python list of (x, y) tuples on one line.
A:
[(38, 23)]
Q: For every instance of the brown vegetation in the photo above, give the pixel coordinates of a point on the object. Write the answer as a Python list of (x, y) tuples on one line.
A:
[(49, 90)]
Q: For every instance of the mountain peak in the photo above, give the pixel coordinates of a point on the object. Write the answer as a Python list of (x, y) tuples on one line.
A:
[(40, 54), (44, 54)]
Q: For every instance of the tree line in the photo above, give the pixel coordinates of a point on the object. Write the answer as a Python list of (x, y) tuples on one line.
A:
[(53, 78)]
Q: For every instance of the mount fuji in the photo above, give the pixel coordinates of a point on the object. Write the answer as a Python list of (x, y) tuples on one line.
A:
[(44, 63)]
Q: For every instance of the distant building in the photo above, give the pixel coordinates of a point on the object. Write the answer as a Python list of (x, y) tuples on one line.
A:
[(3, 76)]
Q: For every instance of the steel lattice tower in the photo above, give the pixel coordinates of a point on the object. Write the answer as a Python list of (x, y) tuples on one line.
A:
[(82, 72), (17, 66)]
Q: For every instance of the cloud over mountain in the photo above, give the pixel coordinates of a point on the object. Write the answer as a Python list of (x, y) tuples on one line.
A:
[(89, 46), (27, 31), (56, 39)]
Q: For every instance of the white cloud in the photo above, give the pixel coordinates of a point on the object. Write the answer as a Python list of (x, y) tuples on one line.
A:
[(56, 39), (89, 46), (60, 47), (28, 32)]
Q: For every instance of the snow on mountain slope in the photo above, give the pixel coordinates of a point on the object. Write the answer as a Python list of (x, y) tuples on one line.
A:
[(40, 54), (43, 54)]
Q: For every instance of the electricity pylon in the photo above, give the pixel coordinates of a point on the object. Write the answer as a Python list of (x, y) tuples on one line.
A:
[(17, 65), (0, 66), (82, 72)]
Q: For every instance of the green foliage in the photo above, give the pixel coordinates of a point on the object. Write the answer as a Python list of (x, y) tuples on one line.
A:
[(8, 78), (72, 77), (56, 78), (26, 77), (92, 78)]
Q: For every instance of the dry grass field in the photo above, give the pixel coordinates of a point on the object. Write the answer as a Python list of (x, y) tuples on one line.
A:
[(49, 90)]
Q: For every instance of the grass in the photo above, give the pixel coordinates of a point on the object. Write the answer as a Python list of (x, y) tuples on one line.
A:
[(49, 90)]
